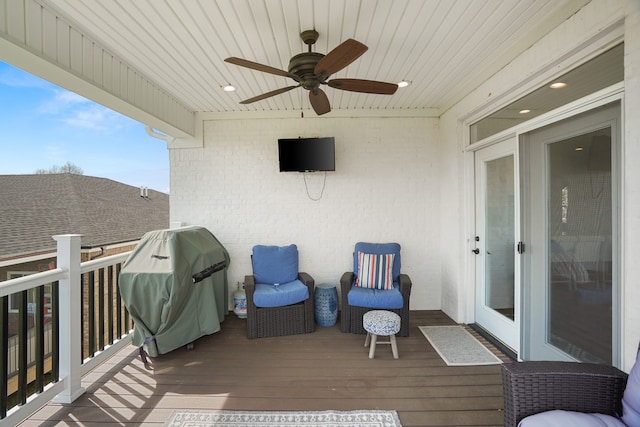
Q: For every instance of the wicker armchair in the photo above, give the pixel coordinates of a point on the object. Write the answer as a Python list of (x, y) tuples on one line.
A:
[(290, 319), (351, 315), (533, 387), (278, 321)]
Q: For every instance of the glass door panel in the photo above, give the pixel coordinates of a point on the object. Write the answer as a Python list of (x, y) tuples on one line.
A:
[(499, 236), (497, 280), (570, 291), (579, 238)]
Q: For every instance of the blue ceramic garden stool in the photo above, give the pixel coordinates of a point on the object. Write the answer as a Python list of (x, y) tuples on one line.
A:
[(381, 323), (326, 304)]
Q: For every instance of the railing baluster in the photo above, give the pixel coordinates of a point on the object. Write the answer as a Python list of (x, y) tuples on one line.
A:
[(111, 301), (39, 339), (101, 330), (119, 304), (55, 332), (84, 315), (22, 348), (4, 354), (92, 314), (126, 319)]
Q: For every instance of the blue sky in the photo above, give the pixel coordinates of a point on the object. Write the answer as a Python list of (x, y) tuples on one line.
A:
[(43, 125)]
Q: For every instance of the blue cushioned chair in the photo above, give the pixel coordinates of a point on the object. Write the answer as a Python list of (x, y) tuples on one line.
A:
[(279, 297), (356, 301)]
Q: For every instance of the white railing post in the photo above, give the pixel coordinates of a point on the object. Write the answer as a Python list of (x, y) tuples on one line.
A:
[(70, 299)]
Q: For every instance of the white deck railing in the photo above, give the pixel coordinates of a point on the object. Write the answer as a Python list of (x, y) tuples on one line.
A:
[(71, 366)]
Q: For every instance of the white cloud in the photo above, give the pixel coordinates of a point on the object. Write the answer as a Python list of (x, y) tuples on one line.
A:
[(77, 111), (65, 106), (94, 117), (66, 98), (61, 102)]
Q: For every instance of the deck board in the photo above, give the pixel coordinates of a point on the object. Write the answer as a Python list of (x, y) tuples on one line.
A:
[(323, 370)]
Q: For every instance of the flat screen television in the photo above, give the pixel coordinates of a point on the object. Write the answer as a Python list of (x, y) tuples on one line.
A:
[(306, 154)]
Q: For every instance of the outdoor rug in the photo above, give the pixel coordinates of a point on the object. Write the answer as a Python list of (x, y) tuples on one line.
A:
[(458, 347), (221, 418)]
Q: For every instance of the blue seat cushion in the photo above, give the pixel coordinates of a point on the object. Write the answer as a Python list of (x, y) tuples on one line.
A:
[(379, 249), (268, 295), (568, 418), (376, 298), (275, 264)]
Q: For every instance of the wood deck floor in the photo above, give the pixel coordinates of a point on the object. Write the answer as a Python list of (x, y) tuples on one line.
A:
[(319, 371)]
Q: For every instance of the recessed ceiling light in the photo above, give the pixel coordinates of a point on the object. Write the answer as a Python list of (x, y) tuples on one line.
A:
[(404, 83), (524, 111), (579, 148), (228, 88), (558, 85)]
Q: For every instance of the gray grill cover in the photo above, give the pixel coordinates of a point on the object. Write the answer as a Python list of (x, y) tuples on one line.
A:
[(157, 286)]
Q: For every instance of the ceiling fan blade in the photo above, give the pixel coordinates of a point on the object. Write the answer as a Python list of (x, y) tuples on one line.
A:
[(269, 94), (365, 86), (343, 55), (260, 67), (319, 101)]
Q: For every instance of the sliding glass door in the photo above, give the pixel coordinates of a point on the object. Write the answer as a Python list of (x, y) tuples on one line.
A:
[(571, 286)]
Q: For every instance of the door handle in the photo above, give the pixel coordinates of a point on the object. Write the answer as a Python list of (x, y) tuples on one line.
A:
[(476, 251)]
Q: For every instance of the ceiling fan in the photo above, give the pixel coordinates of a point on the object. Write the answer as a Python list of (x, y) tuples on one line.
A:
[(312, 69)]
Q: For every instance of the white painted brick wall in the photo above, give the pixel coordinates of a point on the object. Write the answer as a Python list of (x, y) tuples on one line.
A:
[(385, 188)]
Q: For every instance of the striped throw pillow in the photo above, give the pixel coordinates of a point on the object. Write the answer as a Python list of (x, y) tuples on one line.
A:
[(375, 271)]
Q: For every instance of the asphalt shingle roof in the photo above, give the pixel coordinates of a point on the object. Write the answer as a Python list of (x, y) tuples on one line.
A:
[(35, 207)]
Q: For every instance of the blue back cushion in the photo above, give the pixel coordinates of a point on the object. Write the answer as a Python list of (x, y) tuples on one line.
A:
[(275, 264), (379, 248)]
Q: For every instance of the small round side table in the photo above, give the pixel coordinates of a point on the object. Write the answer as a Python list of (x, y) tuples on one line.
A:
[(326, 304)]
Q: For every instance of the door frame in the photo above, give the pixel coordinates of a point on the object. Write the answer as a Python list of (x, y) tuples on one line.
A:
[(605, 96)]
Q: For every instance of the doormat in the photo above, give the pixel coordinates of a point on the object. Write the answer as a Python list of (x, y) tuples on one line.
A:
[(457, 347), (222, 418)]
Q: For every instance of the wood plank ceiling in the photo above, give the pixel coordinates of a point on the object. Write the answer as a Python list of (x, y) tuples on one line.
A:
[(445, 48)]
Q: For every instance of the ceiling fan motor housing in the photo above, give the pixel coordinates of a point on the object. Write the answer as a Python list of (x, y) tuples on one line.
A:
[(303, 65)]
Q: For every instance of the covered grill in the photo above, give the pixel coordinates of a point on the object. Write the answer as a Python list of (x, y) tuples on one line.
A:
[(174, 285)]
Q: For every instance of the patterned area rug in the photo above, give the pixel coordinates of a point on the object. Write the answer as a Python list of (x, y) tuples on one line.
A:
[(193, 418), (457, 347)]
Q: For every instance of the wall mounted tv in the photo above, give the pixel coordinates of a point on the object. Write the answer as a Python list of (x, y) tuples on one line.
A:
[(307, 154)]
